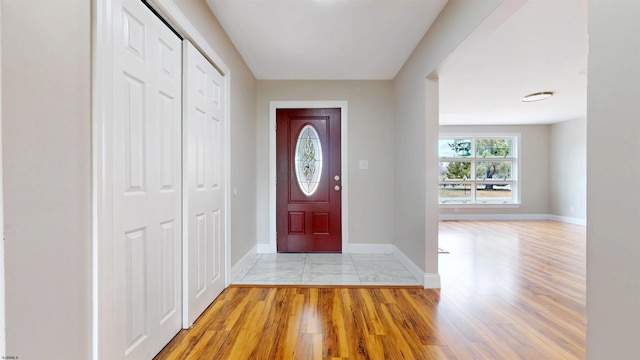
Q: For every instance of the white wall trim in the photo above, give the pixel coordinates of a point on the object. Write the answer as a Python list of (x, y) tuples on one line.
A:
[(414, 269), (494, 217), (265, 249), (244, 263), (368, 249), (273, 105), (102, 206), (508, 217), (432, 281), (568, 220)]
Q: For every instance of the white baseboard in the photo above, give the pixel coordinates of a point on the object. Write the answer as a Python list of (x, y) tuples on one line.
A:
[(349, 249), (265, 249), (243, 263), (368, 249), (507, 217), (431, 281), (568, 220), (414, 269), (494, 217)]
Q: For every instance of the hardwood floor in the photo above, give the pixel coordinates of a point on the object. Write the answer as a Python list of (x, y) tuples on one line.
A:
[(510, 290)]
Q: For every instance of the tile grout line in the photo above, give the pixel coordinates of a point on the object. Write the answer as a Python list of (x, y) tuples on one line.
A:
[(248, 271), (304, 266), (356, 269), (307, 267)]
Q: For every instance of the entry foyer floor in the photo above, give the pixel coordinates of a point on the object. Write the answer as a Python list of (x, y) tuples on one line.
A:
[(326, 269), (510, 290)]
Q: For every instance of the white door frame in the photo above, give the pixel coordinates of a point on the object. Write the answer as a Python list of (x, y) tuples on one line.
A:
[(343, 105), (101, 113)]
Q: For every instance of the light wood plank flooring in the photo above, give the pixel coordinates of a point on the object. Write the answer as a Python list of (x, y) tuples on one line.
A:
[(510, 290)]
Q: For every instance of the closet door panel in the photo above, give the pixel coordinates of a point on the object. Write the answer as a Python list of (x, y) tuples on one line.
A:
[(204, 187), (147, 220)]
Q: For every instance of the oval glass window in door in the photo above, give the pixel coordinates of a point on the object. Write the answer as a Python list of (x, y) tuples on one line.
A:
[(308, 160)]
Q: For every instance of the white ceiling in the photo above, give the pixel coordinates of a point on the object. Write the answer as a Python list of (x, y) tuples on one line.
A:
[(523, 47), (325, 39)]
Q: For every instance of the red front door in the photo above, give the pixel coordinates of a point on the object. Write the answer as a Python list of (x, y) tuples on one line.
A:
[(309, 182)]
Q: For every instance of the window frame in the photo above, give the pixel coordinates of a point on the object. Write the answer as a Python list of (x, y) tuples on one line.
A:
[(514, 159)]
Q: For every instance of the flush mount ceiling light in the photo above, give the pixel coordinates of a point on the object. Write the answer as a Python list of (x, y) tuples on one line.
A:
[(537, 96)]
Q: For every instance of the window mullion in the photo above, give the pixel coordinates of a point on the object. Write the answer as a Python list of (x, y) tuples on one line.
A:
[(473, 170), (473, 180)]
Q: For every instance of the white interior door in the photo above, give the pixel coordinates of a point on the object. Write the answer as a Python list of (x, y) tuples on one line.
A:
[(204, 183), (147, 296)]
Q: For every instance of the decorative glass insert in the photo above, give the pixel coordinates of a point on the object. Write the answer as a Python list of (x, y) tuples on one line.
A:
[(308, 160)]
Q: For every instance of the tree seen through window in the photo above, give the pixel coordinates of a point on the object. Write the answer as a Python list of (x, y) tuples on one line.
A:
[(477, 170)]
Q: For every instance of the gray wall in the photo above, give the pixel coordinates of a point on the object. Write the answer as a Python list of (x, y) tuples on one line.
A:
[(568, 195), (416, 131), (46, 49), (243, 126), (613, 133), (534, 168), (370, 137)]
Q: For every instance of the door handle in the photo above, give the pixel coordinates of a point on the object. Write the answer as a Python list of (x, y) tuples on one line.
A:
[(336, 188)]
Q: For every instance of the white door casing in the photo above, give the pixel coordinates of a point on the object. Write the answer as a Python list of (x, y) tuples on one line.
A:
[(147, 76), (344, 114), (203, 183)]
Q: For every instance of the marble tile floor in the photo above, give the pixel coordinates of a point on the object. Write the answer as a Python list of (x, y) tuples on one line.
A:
[(326, 269)]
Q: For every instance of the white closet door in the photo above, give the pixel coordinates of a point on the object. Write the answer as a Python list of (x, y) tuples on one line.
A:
[(147, 298), (204, 183)]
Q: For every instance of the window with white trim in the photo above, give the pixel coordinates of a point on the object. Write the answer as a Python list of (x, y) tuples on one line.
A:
[(478, 170)]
